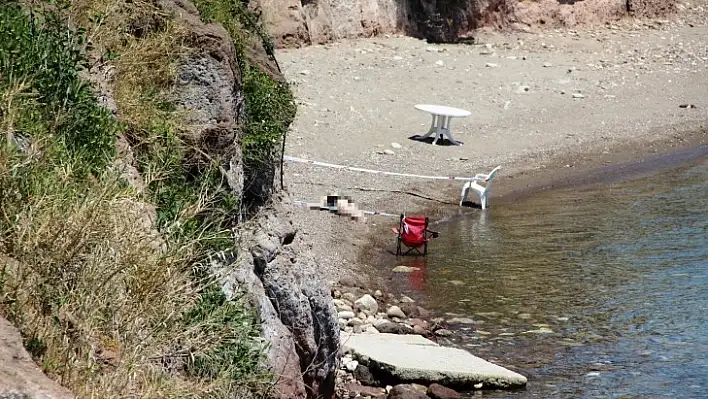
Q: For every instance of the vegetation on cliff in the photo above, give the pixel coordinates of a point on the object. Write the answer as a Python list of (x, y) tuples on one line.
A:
[(109, 283)]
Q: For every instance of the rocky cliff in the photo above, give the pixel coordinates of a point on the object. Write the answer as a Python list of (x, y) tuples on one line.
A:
[(199, 110), (296, 23)]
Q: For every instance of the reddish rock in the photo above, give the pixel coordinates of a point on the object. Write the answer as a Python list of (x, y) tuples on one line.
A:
[(406, 391), (363, 390), (423, 313), (437, 391)]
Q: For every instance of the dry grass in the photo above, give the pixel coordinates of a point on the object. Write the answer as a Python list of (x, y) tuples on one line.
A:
[(107, 304)]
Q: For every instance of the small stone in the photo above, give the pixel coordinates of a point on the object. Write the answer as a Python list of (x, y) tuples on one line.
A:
[(456, 282), (388, 152), (405, 269), (378, 294), (443, 332), (346, 315), (355, 322), (439, 63), (304, 72), (349, 296), (364, 391), (410, 309), (420, 330), (394, 311), (578, 95), (423, 313), (479, 385), (406, 391), (437, 391), (367, 304), (364, 376), (389, 327), (547, 65), (523, 89), (396, 146), (491, 65), (461, 320), (358, 329), (342, 324), (371, 330), (351, 366), (397, 58)]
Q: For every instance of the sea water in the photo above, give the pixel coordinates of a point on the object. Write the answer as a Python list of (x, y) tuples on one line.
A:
[(593, 292)]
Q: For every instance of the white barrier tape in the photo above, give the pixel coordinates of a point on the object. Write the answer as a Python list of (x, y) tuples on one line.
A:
[(377, 172), (334, 209)]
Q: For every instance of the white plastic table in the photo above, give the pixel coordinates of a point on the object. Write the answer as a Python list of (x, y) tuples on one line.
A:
[(441, 121)]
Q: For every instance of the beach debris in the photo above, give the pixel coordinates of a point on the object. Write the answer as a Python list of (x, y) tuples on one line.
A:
[(578, 95), (689, 106), (491, 65)]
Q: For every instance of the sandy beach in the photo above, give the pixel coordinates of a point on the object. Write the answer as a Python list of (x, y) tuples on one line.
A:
[(546, 106)]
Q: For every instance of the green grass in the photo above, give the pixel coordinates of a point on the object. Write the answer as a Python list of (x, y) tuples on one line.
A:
[(110, 300)]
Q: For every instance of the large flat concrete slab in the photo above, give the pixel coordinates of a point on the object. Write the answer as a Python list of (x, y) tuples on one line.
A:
[(412, 358)]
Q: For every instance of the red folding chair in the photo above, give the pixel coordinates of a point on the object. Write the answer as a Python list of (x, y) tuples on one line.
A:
[(413, 233)]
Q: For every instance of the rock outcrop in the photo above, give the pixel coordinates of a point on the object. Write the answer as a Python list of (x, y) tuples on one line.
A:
[(295, 306), (20, 377), (298, 319), (295, 23)]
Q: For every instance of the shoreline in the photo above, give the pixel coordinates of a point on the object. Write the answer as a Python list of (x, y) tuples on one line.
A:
[(347, 116), (625, 116), (624, 162)]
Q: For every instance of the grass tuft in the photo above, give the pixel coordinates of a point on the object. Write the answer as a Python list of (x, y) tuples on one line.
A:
[(110, 288)]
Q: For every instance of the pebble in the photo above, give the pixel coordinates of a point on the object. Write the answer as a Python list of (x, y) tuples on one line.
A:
[(388, 152), (395, 311), (346, 315), (461, 320), (405, 299), (439, 63), (367, 304), (355, 322), (578, 95), (396, 146), (351, 365), (405, 269), (443, 332), (491, 65), (523, 89)]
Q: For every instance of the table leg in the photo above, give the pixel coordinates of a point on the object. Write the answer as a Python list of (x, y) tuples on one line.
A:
[(448, 132), (432, 129)]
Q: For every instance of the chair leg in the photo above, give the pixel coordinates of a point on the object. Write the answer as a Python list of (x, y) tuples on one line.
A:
[(483, 200), (464, 193)]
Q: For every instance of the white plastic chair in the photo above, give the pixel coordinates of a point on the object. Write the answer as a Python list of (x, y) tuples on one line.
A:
[(482, 190)]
